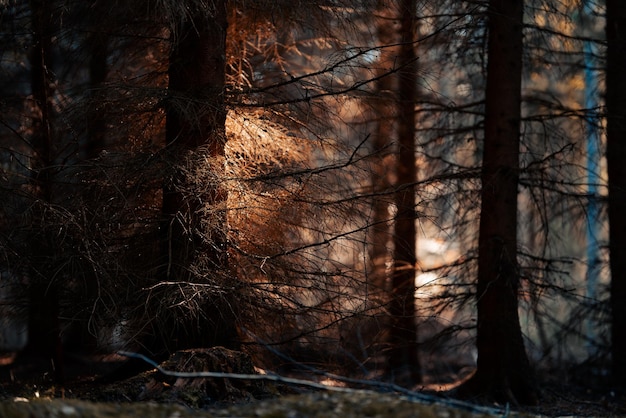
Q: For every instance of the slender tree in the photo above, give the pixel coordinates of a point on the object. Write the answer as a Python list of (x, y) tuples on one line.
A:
[(616, 155), (382, 172), (382, 139), (503, 370), (43, 319), (403, 355)]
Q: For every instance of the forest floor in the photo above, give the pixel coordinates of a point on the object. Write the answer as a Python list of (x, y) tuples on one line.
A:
[(27, 392)]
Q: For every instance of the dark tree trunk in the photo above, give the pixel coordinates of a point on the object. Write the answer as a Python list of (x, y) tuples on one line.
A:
[(96, 126), (87, 340), (503, 373), (81, 337), (196, 118), (403, 356), (616, 158), (44, 339), (195, 130), (382, 171)]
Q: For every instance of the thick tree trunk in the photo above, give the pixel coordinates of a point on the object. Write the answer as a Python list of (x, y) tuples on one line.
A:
[(403, 356), (195, 134), (196, 118), (616, 156), (81, 337), (503, 371), (44, 339)]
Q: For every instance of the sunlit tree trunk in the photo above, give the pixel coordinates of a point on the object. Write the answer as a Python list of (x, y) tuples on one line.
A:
[(403, 357), (616, 158), (43, 320), (503, 371)]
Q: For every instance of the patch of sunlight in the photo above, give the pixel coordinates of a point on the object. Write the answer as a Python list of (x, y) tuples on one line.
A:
[(424, 284)]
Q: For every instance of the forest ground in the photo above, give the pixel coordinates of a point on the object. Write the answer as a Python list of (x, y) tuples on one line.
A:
[(27, 392)]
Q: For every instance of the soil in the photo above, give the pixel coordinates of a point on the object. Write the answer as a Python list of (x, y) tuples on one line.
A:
[(26, 390)]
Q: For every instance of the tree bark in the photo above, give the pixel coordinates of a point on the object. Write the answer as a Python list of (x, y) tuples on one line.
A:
[(403, 357), (195, 134), (44, 338), (196, 118), (384, 113), (616, 156), (503, 371), (80, 336), (96, 126)]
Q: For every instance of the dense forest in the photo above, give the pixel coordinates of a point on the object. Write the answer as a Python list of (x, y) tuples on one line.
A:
[(423, 193)]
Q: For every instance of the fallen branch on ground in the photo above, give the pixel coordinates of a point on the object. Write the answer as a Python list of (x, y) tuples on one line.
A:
[(390, 387)]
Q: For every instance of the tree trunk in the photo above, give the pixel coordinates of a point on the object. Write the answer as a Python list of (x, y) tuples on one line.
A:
[(44, 339), (384, 112), (195, 134), (503, 371), (403, 358), (616, 156), (196, 118), (96, 126), (80, 336), (382, 171)]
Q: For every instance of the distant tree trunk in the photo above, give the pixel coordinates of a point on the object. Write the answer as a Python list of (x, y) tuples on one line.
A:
[(503, 371), (195, 130), (403, 361), (382, 171), (384, 110), (616, 158), (43, 320)]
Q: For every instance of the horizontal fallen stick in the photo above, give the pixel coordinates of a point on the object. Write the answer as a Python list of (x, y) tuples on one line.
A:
[(390, 387), (270, 377)]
